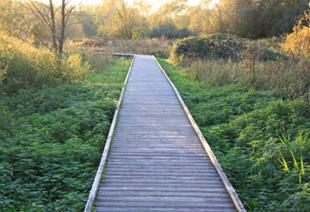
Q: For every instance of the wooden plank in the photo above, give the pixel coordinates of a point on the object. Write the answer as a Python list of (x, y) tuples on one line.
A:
[(95, 185), (232, 193), (156, 160), (158, 209), (175, 204)]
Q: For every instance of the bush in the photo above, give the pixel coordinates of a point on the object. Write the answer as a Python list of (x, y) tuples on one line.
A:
[(260, 65), (224, 47), (298, 42), (214, 46), (24, 66), (169, 31), (268, 54)]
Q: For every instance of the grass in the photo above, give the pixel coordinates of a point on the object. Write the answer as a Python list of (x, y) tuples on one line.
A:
[(156, 46), (51, 140), (261, 141)]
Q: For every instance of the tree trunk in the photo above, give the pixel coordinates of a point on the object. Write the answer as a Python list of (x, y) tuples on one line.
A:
[(53, 27), (220, 19), (63, 28)]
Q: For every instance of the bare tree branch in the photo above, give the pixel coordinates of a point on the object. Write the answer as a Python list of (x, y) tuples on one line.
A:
[(47, 14)]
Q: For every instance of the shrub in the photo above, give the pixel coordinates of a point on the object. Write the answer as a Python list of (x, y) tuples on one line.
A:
[(268, 54), (225, 47), (23, 66), (75, 69), (169, 31), (259, 66), (214, 46), (298, 42)]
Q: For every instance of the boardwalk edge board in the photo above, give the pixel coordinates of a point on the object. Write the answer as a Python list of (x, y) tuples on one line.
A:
[(231, 191), (107, 146)]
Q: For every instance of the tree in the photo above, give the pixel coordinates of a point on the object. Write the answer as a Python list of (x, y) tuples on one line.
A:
[(117, 18), (255, 19), (86, 16), (55, 20), (13, 18)]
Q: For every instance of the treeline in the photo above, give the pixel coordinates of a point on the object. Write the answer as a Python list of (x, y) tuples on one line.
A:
[(173, 19)]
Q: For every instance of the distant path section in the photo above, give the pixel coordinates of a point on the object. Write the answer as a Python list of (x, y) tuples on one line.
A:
[(157, 161)]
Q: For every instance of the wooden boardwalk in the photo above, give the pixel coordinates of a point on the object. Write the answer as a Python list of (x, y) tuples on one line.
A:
[(156, 160)]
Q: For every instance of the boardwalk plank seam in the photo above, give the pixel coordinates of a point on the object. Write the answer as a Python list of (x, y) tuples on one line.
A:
[(168, 176), (231, 191), (104, 157)]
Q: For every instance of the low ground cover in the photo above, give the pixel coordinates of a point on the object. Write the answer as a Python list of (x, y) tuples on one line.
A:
[(51, 139), (261, 140)]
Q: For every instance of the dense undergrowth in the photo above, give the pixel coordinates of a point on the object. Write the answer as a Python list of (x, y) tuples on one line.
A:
[(220, 59), (51, 139), (262, 141), (24, 66)]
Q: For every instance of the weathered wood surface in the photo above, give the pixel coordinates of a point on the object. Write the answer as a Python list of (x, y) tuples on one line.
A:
[(156, 160)]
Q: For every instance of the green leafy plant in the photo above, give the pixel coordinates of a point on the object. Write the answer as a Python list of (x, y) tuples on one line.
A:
[(214, 46), (51, 139), (261, 141)]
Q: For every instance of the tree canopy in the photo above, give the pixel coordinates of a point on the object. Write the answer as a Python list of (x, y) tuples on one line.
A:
[(172, 19)]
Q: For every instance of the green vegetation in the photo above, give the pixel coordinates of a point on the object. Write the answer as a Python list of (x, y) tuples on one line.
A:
[(298, 43), (220, 59), (124, 19), (222, 46), (51, 139), (218, 45), (159, 47), (250, 97), (262, 142), (24, 66)]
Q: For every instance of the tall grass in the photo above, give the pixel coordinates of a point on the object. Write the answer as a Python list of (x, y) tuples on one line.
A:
[(24, 66), (261, 140), (155, 46), (287, 78)]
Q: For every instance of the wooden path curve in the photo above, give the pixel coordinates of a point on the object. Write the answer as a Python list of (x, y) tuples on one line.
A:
[(158, 159)]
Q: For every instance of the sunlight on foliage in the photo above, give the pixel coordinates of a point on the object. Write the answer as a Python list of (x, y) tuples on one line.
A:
[(298, 42), (295, 151), (23, 65), (76, 69)]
